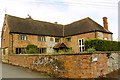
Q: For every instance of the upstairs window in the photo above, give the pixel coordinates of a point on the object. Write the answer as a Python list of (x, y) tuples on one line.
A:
[(57, 39), (22, 37), (51, 39), (41, 38), (68, 39)]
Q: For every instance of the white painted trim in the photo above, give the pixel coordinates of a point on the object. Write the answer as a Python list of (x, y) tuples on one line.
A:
[(80, 44)]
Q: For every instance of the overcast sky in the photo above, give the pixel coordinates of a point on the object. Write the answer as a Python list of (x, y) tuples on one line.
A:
[(63, 11)]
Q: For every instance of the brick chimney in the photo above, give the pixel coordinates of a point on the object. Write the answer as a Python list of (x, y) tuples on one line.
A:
[(105, 23)]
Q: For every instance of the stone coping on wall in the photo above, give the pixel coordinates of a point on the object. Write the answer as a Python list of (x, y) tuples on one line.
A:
[(70, 53)]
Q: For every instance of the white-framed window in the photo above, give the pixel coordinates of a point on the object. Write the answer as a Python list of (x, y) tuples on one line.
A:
[(22, 37), (81, 45), (41, 38)]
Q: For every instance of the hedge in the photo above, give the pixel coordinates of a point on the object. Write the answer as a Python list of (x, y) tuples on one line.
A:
[(102, 45)]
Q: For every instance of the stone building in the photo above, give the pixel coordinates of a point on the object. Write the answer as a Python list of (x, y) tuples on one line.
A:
[(17, 33)]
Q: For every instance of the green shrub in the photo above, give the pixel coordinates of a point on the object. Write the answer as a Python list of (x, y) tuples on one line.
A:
[(32, 49), (61, 51), (102, 45), (69, 50), (91, 50)]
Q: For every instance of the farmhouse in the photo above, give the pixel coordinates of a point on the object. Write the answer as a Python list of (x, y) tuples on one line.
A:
[(17, 33)]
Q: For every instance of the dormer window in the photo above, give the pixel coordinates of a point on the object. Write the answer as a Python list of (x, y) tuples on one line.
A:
[(22, 37)]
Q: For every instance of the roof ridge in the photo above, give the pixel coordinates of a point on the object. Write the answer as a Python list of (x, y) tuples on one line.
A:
[(32, 19), (78, 20)]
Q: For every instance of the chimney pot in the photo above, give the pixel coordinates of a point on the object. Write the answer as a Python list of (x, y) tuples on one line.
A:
[(105, 23)]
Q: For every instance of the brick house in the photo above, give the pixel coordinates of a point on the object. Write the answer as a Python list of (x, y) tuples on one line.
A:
[(17, 33)]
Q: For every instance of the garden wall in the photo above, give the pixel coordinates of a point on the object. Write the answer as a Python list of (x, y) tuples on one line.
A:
[(114, 61), (85, 65)]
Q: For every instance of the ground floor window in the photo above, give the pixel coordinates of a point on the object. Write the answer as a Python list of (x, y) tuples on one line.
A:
[(42, 50), (81, 45), (20, 50)]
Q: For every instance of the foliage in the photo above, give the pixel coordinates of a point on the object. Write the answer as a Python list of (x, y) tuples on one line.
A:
[(91, 50), (69, 50), (31, 48), (102, 45), (61, 51), (65, 50)]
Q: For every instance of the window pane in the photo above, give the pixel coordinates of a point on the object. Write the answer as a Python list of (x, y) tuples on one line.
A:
[(17, 52), (57, 39), (81, 45), (19, 37), (41, 38), (51, 39), (79, 42), (80, 49), (22, 37), (83, 48)]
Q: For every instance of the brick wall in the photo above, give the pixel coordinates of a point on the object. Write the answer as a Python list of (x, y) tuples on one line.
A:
[(5, 36), (64, 65), (31, 39), (74, 40)]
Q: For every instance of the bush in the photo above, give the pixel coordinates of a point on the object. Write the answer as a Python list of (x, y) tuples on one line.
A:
[(69, 50), (31, 49), (91, 50), (102, 45)]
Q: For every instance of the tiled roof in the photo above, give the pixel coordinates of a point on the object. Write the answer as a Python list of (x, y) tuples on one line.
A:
[(58, 45), (30, 26), (35, 27), (83, 26)]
